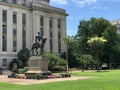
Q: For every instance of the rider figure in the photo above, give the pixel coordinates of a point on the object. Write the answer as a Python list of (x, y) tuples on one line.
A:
[(38, 38)]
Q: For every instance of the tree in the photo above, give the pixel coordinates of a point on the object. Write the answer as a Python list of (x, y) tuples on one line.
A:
[(96, 45), (85, 60), (90, 28), (102, 28), (112, 42), (67, 41), (23, 55), (73, 51)]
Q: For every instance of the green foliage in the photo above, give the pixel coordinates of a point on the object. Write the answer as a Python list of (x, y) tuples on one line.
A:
[(23, 70), (12, 62), (39, 76), (96, 44), (68, 40), (102, 28), (72, 51), (58, 68), (90, 28), (54, 60), (23, 55), (85, 60), (113, 41)]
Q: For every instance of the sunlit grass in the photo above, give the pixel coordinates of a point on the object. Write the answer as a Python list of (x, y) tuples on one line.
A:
[(106, 80)]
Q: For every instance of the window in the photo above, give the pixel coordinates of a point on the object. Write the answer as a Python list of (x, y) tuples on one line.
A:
[(14, 1), (14, 46), (59, 35), (42, 25), (4, 38), (51, 27), (4, 62), (50, 23), (14, 18), (59, 23), (51, 45), (41, 21), (51, 33), (4, 30), (14, 31), (4, 0), (23, 2), (23, 31), (4, 14), (59, 46)]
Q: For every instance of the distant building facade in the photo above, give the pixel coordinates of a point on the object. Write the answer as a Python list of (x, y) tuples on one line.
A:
[(117, 24), (20, 20)]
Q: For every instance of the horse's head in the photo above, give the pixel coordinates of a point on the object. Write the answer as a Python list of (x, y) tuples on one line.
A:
[(44, 39)]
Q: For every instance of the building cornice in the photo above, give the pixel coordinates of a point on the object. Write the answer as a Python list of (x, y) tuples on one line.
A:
[(36, 6), (48, 9), (15, 5)]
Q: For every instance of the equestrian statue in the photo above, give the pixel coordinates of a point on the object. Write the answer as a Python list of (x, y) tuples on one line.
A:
[(38, 43)]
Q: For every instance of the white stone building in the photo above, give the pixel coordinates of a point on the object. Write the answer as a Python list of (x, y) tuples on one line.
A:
[(20, 20), (117, 24)]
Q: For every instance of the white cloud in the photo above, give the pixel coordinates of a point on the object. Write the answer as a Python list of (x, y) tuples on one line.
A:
[(103, 8), (82, 3), (59, 1)]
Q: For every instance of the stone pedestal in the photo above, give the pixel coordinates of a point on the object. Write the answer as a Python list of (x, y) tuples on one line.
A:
[(37, 65)]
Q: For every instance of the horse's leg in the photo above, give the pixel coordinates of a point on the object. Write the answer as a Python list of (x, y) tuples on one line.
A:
[(36, 51), (32, 51), (41, 49)]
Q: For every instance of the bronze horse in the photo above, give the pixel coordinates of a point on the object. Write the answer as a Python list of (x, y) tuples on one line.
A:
[(36, 45)]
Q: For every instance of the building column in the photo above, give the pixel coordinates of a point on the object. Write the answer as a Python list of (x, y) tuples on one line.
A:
[(63, 34), (29, 31), (19, 31), (0, 30), (55, 35), (36, 25), (9, 31), (46, 33)]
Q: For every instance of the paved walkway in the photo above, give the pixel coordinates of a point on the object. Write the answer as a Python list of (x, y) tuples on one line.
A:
[(4, 78)]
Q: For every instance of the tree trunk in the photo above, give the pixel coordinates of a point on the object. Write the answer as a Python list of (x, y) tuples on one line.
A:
[(110, 65), (67, 66), (97, 62), (82, 68)]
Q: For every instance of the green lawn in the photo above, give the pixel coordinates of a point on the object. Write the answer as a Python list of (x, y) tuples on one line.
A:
[(107, 80)]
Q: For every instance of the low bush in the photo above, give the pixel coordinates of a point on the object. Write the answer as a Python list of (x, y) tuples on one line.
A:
[(23, 70), (65, 75), (39, 76), (58, 68)]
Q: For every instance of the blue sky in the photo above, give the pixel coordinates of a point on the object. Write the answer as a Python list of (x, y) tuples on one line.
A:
[(85, 9)]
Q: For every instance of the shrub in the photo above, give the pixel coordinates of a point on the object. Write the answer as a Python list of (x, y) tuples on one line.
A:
[(23, 55), (12, 62), (58, 68), (65, 75), (23, 70), (54, 60), (39, 76)]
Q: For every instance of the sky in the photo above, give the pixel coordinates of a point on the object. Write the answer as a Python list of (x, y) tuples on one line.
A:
[(85, 9)]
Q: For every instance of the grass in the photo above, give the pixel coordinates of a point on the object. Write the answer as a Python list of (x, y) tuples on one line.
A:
[(107, 80)]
